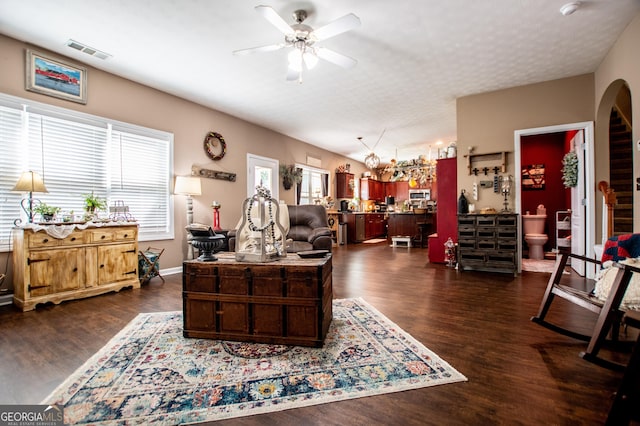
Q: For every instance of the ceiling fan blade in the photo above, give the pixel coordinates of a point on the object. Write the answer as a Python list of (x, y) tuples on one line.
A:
[(268, 48), (335, 57), (276, 20), (340, 25)]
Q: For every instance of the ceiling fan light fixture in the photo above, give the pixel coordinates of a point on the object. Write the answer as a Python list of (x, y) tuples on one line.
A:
[(310, 60), (297, 55)]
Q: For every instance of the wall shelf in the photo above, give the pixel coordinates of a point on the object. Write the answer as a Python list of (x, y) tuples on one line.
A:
[(490, 156)]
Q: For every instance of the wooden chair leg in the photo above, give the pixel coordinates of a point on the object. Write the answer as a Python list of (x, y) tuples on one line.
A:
[(626, 405), (554, 280), (609, 318)]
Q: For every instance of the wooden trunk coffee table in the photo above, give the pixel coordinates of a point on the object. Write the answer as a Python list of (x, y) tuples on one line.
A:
[(283, 302)]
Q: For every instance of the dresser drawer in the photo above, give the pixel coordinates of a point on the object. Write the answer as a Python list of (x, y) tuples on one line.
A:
[(42, 239), (76, 237), (126, 234), (101, 235)]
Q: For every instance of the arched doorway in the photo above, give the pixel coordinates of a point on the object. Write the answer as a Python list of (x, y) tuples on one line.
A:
[(621, 160), (607, 156)]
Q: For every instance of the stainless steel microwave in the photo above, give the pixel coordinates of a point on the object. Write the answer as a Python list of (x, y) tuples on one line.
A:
[(417, 195)]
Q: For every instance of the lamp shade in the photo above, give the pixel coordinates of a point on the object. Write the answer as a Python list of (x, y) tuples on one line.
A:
[(187, 185), (30, 182)]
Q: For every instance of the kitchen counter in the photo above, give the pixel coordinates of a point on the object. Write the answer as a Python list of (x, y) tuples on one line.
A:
[(415, 225), (427, 213)]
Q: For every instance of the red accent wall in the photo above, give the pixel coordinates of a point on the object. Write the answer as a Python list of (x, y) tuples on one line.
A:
[(547, 149)]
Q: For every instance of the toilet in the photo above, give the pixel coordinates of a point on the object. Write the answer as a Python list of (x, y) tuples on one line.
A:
[(534, 235)]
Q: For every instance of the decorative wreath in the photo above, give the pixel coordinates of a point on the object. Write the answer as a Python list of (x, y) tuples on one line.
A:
[(210, 141), (570, 170)]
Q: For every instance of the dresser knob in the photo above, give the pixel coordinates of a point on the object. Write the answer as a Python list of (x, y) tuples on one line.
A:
[(46, 240)]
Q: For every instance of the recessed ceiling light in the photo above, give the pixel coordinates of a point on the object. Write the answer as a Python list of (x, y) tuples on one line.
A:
[(86, 49), (569, 8)]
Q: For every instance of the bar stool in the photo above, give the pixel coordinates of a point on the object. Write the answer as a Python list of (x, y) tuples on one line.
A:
[(423, 227)]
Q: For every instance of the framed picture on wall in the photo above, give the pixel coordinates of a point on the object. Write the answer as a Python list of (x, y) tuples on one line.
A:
[(533, 177), (53, 77)]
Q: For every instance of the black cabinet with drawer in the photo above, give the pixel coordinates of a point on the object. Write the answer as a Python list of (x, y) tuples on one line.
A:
[(488, 242)]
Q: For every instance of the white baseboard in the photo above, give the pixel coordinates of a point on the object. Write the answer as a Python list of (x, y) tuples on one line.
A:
[(171, 271), (6, 299)]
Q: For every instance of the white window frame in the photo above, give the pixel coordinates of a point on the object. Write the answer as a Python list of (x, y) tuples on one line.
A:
[(11, 201), (312, 171)]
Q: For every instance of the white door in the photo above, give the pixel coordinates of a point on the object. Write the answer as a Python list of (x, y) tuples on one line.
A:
[(578, 208), (583, 225), (262, 171)]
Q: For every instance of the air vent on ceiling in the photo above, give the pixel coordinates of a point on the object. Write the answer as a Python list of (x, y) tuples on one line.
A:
[(88, 50)]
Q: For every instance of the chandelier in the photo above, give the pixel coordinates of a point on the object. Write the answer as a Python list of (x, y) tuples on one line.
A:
[(372, 161)]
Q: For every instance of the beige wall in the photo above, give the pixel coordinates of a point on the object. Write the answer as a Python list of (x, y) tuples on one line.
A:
[(621, 64), (488, 121), (120, 99)]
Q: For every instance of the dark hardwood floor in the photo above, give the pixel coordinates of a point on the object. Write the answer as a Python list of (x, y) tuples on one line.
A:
[(519, 372)]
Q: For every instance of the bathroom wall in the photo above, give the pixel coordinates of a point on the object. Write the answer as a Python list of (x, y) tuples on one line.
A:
[(548, 150)]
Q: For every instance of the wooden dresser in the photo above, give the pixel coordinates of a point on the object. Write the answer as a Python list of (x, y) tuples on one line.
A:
[(83, 263), (283, 302)]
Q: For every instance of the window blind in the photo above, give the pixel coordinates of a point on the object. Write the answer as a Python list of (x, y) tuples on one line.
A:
[(78, 154)]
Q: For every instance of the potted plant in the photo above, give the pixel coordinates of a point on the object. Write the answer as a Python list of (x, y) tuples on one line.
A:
[(93, 203), (290, 175), (46, 211)]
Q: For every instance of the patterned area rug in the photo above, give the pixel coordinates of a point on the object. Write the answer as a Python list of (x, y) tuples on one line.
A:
[(150, 374)]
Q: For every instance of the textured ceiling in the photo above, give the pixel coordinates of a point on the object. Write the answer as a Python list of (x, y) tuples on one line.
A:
[(415, 57)]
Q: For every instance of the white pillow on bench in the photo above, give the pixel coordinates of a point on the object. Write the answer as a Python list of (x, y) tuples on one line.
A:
[(605, 278)]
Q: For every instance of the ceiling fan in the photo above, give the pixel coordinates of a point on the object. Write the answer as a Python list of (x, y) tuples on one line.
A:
[(302, 39)]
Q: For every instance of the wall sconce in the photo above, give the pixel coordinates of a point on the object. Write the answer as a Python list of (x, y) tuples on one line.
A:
[(189, 186), (29, 182)]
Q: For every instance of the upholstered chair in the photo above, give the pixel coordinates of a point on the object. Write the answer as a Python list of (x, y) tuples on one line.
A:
[(308, 229)]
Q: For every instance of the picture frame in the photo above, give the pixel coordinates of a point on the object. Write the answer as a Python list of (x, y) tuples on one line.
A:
[(533, 177), (54, 77)]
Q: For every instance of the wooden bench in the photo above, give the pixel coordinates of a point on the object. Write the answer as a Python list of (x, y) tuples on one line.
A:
[(401, 239)]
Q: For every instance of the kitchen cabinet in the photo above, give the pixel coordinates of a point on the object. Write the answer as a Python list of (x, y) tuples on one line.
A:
[(371, 189), (400, 190), (364, 226), (375, 225), (345, 184), (288, 302), (488, 242), (82, 263)]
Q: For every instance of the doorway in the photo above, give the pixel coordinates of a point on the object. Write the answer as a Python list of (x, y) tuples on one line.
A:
[(582, 196), (621, 161), (262, 171)]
